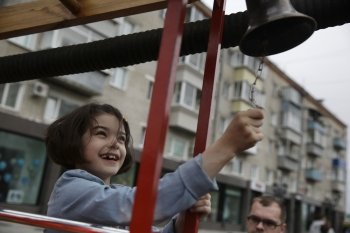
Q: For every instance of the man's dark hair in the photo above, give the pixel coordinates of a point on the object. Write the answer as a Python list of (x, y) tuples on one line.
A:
[(268, 201)]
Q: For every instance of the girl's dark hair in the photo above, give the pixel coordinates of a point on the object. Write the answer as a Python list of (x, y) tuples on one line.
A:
[(64, 136)]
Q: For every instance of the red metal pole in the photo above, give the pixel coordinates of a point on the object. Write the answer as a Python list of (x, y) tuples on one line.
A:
[(214, 46), (59, 224), (152, 156)]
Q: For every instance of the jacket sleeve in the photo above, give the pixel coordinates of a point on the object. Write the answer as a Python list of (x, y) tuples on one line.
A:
[(80, 196)]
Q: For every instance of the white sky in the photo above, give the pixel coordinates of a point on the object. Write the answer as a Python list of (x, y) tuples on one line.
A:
[(321, 65)]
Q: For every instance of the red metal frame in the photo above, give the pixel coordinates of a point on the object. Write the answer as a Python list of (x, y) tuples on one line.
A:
[(54, 223), (152, 157), (214, 45)]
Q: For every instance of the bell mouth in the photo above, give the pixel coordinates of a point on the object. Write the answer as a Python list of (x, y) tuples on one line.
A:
[(277, 35)]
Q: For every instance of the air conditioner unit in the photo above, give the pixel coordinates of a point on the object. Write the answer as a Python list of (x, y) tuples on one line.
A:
[(40, 89)]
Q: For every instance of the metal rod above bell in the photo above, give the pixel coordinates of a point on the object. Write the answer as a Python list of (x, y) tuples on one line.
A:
[(274, 27)]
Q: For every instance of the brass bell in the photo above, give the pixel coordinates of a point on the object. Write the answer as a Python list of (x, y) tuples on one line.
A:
[(274, 27)]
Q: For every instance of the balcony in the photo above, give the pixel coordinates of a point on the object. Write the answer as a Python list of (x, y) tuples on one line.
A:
[(291, 95), (338, 186), (313, 174), (88, 84), (314, 149), (244, 74), (183, 118), (338, 163), (313, 125), (339, 143), (286, 163), (240, 105), (291, 155), (289, 134)]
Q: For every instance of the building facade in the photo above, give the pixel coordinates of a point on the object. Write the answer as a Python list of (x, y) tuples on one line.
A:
[(302, 158)]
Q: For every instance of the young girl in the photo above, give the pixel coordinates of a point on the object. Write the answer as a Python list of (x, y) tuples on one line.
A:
[(94, 143)]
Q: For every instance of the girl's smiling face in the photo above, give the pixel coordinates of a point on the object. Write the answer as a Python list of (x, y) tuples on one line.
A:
[(104, 147)]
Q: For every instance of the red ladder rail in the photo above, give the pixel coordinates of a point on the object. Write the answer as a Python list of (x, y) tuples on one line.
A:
[(54, 223), (151, 161), (214, 45), (152, 155)]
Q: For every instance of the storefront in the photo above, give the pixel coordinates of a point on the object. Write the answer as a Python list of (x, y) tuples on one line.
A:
[(23, 165)]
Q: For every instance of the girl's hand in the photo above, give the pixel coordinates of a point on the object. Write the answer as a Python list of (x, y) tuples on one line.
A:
[(203, 206), (242, 133)]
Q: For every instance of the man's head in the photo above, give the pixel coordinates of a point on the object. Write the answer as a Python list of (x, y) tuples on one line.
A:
[(267, 214)]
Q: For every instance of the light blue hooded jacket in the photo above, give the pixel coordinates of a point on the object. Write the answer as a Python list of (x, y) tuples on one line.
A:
[(81, 196)]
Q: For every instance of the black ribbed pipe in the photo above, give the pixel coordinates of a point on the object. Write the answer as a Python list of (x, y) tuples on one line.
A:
[(144, 46)]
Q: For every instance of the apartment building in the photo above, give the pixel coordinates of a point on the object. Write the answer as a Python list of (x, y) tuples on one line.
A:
[(302, 158)]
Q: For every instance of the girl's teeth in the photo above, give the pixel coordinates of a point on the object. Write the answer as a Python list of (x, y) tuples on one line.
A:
[(109, 157)]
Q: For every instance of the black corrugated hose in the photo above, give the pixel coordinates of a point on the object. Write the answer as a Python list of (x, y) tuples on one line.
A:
[(144, 46)]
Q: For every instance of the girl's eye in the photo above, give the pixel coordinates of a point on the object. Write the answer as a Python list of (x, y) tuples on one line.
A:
[(122, 138), (102, 133)]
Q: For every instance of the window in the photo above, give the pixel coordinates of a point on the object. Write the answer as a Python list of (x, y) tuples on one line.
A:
[(274, 118), (291, 116), (292, 95), (228, 167), (177, 92), (238, 166), (10, 95), (28, 41), (241, 91), (150, 89), (12, 2), (316, 133), (254, 172), (150, 86), (56, 108), (187, 95), (294, 150), (177, 147), (119, 78), (292, 185), (74, 35), (237, 59), (143, 136), (281, 148), (22, 161), (196, 61), (272, 146), (231, 205), (162, 13), (275, 89), (193, 14), (310, 163), (126, 28), (226, 90), (269, 176), (71, 38), (338, 174), (224, 122)]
